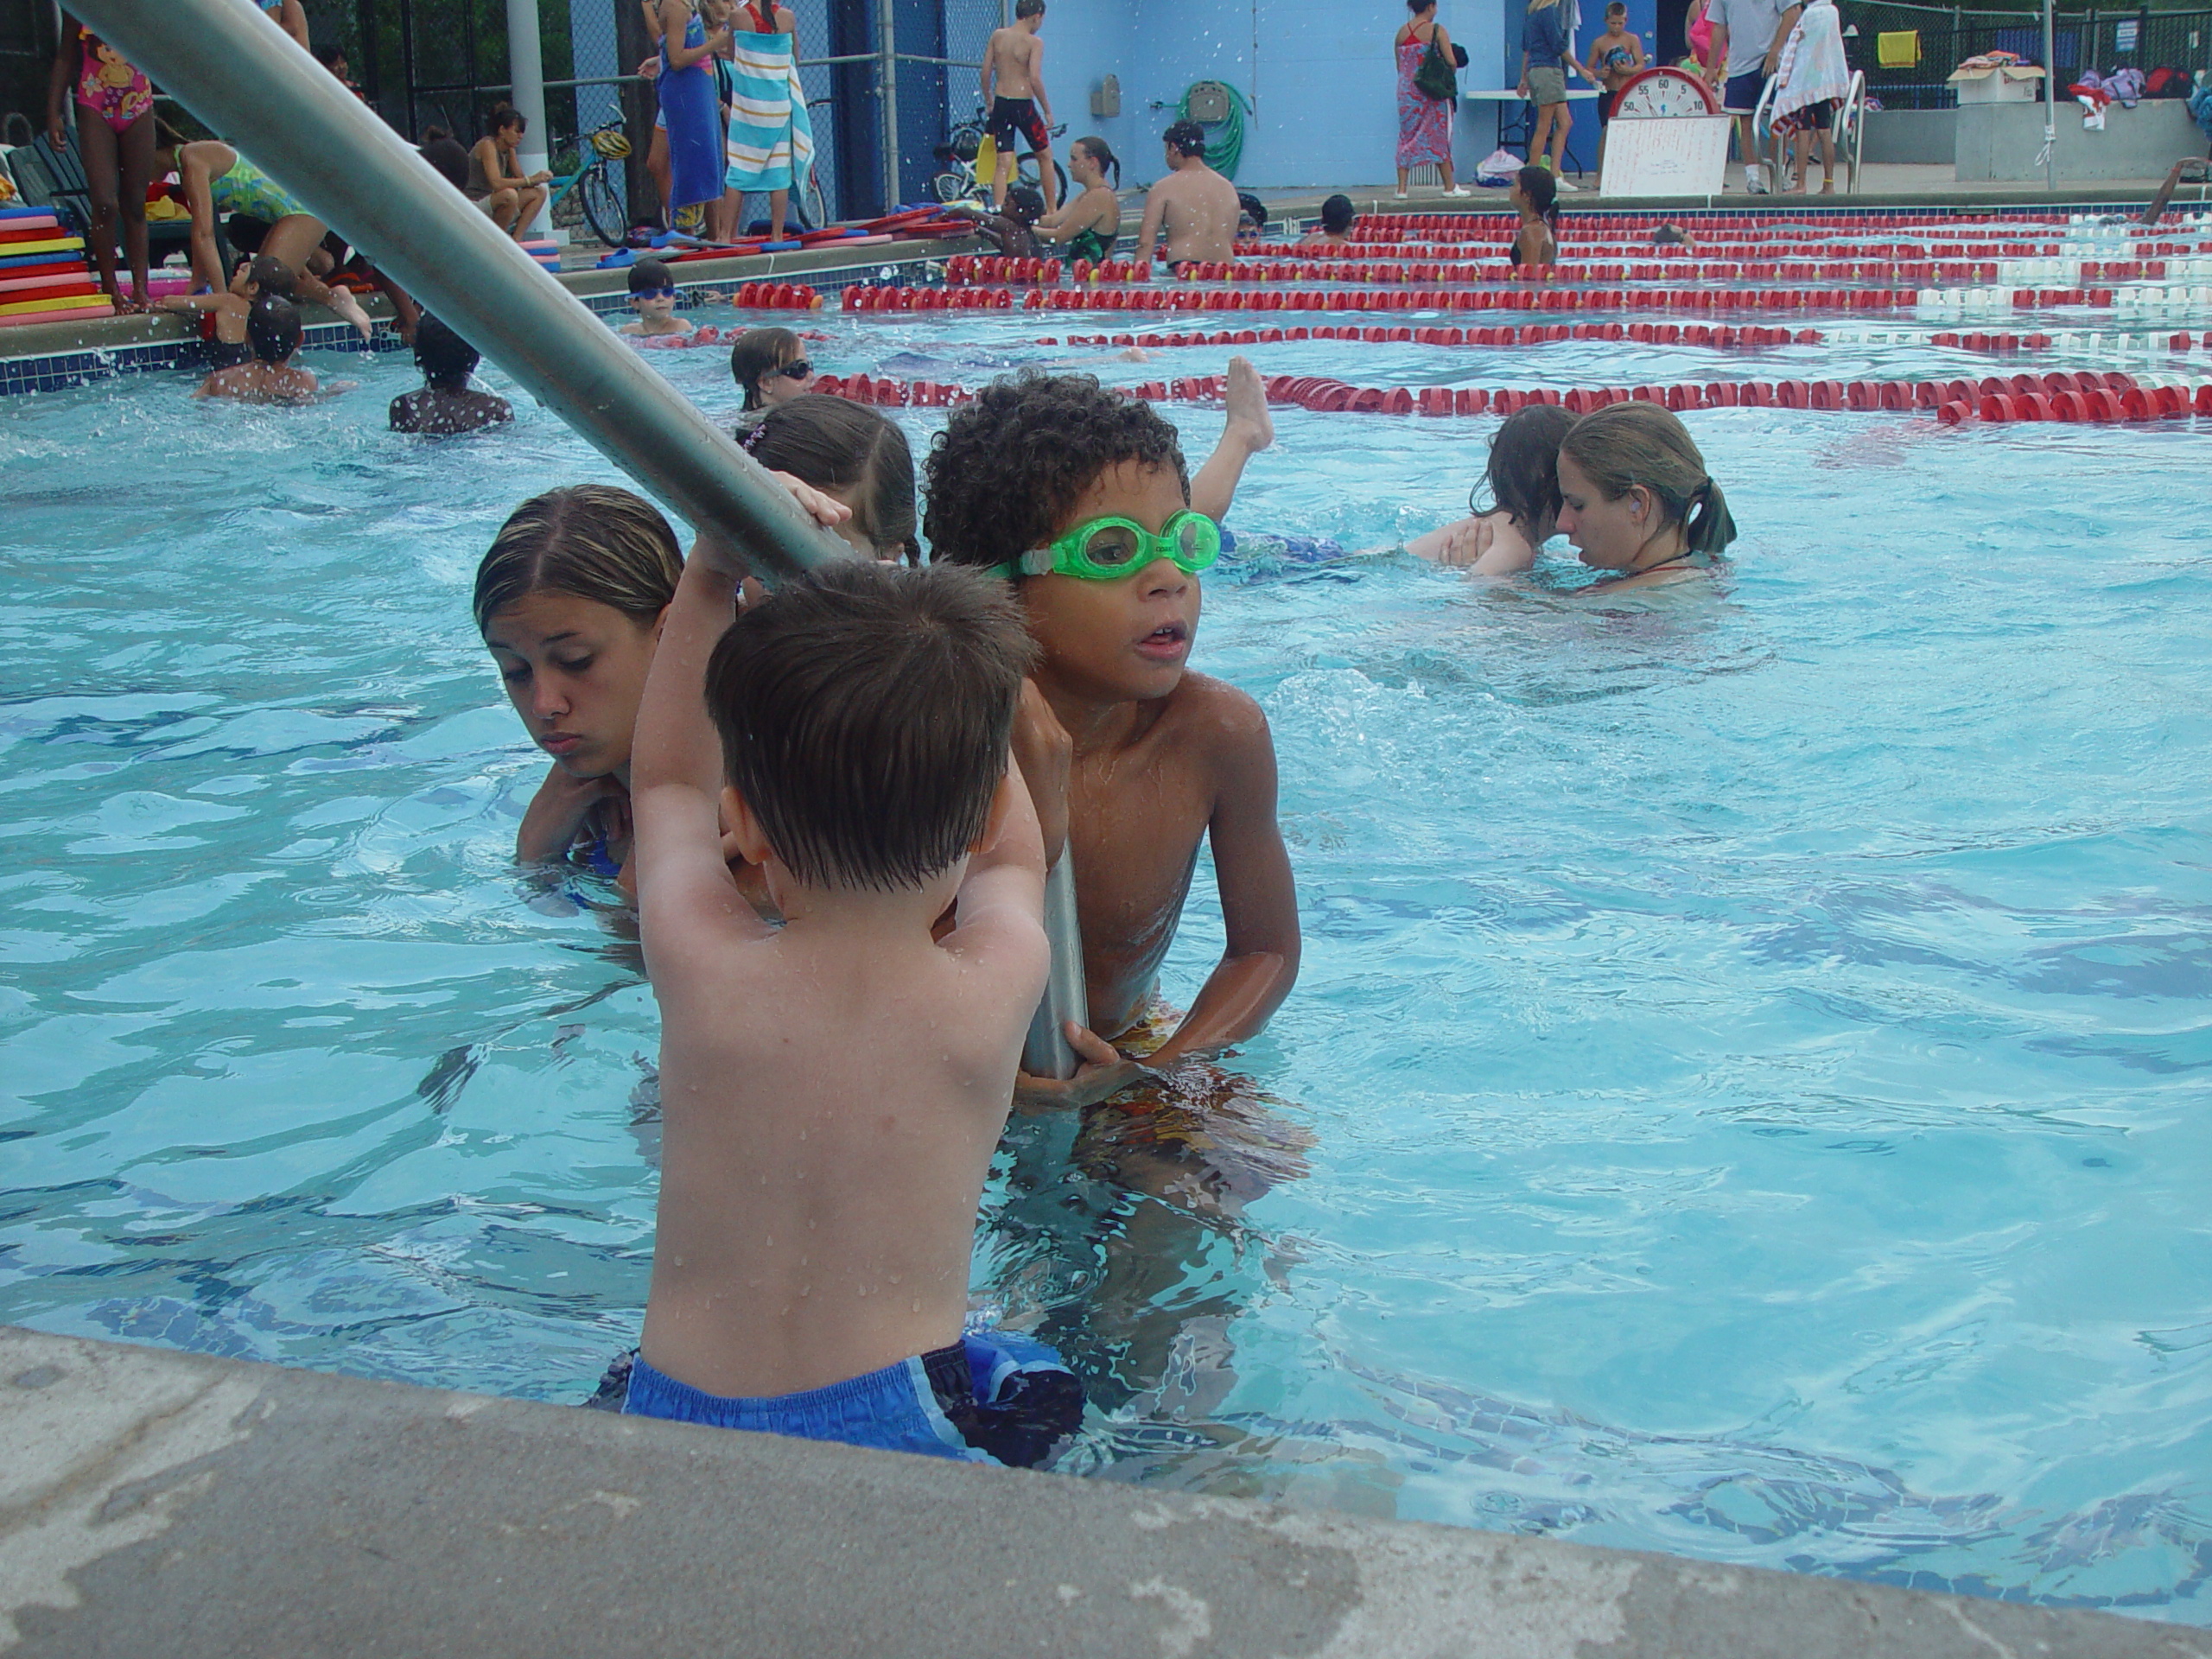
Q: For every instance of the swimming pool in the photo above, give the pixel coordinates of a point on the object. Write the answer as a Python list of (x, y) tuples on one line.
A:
[(1752, 1041)]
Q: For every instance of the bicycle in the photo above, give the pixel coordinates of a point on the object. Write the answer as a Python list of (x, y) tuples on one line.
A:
[(956, 155), (593, 186)]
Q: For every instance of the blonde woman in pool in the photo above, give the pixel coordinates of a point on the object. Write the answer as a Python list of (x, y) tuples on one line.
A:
[(1635, 499)]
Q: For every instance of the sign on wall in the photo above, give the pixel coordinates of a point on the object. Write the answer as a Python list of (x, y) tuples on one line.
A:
[(1667, 156)]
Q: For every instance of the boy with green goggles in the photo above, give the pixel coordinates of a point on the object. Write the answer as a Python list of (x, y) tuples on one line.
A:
[(1107, 549), (1055, 479)]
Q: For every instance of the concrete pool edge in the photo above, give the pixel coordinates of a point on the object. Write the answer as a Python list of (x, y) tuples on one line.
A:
[(188, 1504)]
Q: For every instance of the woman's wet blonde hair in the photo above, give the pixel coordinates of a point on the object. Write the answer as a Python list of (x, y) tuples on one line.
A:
[(591, 541), (1624, 445)]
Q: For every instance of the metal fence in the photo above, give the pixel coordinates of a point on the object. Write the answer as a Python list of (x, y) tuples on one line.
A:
[(2093, 39), (872, 70)]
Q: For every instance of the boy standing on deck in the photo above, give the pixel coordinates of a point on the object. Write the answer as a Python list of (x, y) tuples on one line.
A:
[(834, 1088), (1078, 495), (1014, 61)]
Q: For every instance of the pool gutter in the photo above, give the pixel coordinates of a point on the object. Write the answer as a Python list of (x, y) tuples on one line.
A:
[(178, 1504)]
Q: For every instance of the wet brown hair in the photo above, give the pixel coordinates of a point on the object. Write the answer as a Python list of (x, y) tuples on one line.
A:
[(1626, 444), (1523, 470), (838, 445), (865, 711), (591, 541), (758, 350)]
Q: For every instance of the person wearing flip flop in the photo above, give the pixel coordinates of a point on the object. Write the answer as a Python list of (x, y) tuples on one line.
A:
[(1012, 86)]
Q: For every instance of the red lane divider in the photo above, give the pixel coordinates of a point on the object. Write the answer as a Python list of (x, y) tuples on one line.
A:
[(870, 300), (968, 271), (2083, 397), (775, 297), (1650, 333)]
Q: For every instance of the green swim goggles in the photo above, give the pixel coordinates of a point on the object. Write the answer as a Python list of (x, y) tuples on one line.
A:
[(1106, 550)]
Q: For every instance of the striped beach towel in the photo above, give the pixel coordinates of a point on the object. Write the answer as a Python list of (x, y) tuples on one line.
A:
[(770, 142)]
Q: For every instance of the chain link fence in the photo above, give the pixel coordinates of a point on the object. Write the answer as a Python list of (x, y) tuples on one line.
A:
[(1947, 35), (443, 63)]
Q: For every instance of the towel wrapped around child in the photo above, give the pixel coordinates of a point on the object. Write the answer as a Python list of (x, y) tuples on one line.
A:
[(771, 141)]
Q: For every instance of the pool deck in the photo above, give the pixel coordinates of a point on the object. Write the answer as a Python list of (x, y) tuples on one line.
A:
[(176, 1503)]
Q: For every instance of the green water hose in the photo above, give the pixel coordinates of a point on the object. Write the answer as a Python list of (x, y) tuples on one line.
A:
[(1225, 145)]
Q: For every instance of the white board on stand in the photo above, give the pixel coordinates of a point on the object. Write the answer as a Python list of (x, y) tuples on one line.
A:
[(1667, 156)]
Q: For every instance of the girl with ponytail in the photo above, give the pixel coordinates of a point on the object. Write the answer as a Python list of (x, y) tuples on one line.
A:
[(1635, 498)]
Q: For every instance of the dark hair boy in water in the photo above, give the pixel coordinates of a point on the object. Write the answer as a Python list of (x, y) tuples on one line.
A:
[(447, 404), (1078, 495), (272, 329)]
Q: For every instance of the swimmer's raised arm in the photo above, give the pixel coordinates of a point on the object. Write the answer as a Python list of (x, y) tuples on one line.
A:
[(686, 891), (1002, 895)]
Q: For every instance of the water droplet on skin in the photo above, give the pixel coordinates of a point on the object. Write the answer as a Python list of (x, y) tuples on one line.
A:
[(917, 1304)]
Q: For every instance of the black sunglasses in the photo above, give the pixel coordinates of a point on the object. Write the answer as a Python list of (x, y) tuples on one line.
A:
[(797, 371)]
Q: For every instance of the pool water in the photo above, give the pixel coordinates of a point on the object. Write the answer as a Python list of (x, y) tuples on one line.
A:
[(1753, 1041)]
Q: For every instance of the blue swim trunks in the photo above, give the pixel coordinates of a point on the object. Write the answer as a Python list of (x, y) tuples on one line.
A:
[(989, 1396)]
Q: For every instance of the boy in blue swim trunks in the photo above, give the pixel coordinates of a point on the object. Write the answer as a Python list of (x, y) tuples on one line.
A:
[(834, 1087)]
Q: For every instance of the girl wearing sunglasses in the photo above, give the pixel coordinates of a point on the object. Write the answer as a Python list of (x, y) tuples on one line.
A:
[(770, 367)]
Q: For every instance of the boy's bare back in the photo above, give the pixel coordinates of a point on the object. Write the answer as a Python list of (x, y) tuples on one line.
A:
[(260, 383), (1013, 55), (831, 1096), (832, 1089)]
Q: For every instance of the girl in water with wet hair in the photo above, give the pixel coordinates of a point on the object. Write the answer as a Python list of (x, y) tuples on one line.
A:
[(1092, 223), (1636, 498), (852, 455), (1502, 540), (770, 367), (570, 602)]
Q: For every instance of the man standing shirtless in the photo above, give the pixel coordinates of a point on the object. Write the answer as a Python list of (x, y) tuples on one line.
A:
[(1015, 59), (1194, 206)]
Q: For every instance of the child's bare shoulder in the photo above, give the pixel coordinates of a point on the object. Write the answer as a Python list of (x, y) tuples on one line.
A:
[(1215, 719)]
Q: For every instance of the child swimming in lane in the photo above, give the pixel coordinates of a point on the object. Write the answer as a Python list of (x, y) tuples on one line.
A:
[(652, 296), (1078, 495), (1333, 233), (834, 1088), (1523, 480), (273, 332), (852, 455), (447, 404), (1535, 193), (1636, 498)]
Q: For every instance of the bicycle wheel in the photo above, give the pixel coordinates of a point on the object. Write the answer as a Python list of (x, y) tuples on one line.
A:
[(1027, 173), (952, 187), (602, 206), (809, 211)]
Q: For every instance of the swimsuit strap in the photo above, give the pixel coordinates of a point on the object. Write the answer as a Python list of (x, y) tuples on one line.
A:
[(1691, 553)]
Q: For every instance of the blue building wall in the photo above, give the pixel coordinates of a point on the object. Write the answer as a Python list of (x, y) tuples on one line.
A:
[(1320, 74)]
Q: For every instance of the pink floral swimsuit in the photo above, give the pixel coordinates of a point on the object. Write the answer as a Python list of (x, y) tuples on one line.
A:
[(111, 89)]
